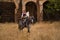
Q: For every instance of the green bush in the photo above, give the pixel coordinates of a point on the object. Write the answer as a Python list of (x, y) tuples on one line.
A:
[(52, 9)]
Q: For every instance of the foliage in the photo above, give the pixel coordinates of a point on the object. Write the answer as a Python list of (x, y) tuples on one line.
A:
[(52, 7)]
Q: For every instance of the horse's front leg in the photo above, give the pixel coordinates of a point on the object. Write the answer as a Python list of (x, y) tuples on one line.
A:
[(28, 27), (21, 25)]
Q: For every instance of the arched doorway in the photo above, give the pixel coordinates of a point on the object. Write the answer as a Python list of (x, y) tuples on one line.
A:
[(32, 8), (7, 12), (46, 10)]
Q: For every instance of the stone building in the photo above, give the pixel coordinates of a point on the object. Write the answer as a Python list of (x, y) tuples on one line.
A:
[(35, 7)]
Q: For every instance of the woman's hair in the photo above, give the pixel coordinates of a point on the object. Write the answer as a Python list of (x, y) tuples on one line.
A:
[(24, 14)]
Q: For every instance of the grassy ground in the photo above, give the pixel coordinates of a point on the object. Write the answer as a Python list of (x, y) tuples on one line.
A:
[(38, 31)]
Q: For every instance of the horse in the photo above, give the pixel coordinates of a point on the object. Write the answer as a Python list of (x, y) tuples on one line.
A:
[(25, 22)]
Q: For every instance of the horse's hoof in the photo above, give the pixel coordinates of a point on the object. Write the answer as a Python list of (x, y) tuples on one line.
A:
[(28, 31)]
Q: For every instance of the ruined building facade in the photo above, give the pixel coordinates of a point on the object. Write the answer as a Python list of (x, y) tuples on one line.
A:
[(35, 7)]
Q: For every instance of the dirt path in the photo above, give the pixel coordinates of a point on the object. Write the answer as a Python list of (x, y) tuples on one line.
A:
[(38, 31)]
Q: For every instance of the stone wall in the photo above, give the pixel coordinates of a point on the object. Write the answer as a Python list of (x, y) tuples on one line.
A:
[(39, 4)]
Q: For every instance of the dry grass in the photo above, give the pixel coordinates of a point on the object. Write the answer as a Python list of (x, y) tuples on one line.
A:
[(39, 31)]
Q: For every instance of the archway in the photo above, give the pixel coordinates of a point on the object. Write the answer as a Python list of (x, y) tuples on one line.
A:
[(32, 8), (7, 12), (46, 11)]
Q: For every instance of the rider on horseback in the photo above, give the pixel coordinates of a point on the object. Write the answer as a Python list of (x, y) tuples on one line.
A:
[(25, 16), (25, 20)]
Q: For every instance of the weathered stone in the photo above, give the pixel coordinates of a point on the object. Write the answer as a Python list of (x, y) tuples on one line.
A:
[(26, 5)]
